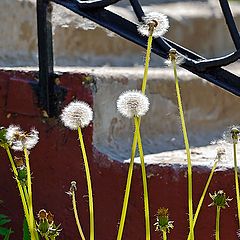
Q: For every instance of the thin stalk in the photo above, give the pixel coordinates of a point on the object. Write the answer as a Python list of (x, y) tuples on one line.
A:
[(128, 187), (76, 216), (236, 180), (164, 235), (185, 136), (26, 194), (144, 179), (203, 195), (24, 203), (218, 223), (89, 184), (29, 190), (147, 61), (134, 144)]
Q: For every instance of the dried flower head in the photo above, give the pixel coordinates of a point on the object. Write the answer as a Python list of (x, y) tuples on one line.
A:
[(132, 103), (154, 23), (219, 199), (77, 114), (42, 214), (18, 139), (163, 223), (173, 55), (231, 134)]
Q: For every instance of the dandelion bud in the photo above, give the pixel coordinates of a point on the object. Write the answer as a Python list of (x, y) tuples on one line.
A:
[(155, 24), (132, 104), (219, 199), (163, 223), (235, 132), (77, 114)]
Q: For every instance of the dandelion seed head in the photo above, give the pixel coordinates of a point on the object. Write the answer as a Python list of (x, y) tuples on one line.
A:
[(159, 22), (231, 134), (133, 103), (18, 139), (77, 114)]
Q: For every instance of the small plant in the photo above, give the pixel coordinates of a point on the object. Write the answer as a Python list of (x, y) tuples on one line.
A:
[(4, 231), (46, 226), (76, 116), (163, 224), (220, 200)]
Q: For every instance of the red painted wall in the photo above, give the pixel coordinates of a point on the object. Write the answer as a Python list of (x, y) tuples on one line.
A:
[(57, 160)]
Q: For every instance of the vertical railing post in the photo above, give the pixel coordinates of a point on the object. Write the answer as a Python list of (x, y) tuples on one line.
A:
[(45, 55)]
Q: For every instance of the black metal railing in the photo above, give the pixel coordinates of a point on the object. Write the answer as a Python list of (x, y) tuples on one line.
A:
[(209, 69)]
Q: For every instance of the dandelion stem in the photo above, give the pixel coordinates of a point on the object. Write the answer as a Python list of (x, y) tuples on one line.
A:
[(76, 216), (128, 187), (29, 188), (147, 61), (218, 223), (236, 180), (203, 195), (89, 184), (164, 235), (25, 208), (134, 144), (185, 136), (144, 179)]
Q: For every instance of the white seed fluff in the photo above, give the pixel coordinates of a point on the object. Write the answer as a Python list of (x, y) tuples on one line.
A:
[(133, 103), (18, 139), (161, 28), (77, 114)]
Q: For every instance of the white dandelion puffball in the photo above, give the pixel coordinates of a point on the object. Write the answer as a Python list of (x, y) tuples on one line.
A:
[(162, 24), (133, 103), (77, 114), (18, 139)]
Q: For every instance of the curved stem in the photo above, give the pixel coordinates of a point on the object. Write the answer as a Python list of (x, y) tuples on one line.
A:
[(76, 216), (25, 208), (147, 61), (218, 223), (185, 136), (29, 190), (89, 184), (203, 195), (236, 181), (164, 235), (144, 179)]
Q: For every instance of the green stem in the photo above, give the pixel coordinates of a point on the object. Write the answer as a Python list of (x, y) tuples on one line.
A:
[(236, 181), (128, 187), (29, 190), (134, 146), (185, 136), (164, 235), (76, 216), (46, 237), (147, 61), (203, 195), (218, 223), (89, 184), (25, 208), (144, 179)]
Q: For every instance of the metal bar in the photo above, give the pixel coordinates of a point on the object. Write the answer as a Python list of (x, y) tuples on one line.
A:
[(88, 4), (45, 55), (230, 23)]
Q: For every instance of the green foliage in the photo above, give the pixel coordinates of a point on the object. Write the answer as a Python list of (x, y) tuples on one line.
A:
[(4, 231), (26, 234)]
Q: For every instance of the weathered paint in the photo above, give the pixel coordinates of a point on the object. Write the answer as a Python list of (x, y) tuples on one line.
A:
[(56, 161)]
